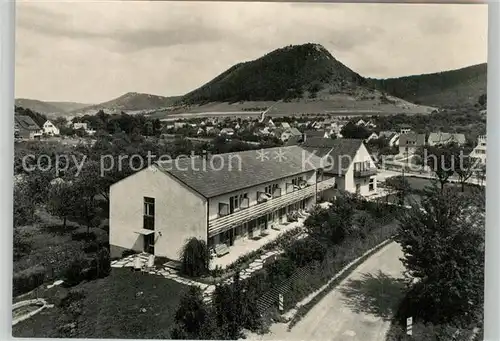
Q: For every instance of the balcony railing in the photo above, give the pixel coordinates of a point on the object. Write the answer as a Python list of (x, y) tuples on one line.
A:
[(221, 224), (365, 172), (326, 184)]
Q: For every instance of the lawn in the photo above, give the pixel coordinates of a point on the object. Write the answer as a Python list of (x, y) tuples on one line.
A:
[(126, 304)]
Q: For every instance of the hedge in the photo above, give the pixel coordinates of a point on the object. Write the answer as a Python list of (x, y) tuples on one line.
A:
[(27, 280)]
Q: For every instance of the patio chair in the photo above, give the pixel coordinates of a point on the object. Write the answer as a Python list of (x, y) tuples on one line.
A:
[(137, 263), (221, 250), (150, 264)]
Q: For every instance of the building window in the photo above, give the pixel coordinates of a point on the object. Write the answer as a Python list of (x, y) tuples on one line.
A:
[(296, 181), (371, 185), (149, 213), (238, 201), (223, 209)]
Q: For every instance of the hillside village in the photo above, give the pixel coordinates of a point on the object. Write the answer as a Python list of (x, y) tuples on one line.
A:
[(170, 219)]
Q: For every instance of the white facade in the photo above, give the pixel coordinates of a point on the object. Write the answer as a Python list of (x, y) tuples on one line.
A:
[(80, 125), (479, 152), (50, 129), (361, 176), (179, 213)]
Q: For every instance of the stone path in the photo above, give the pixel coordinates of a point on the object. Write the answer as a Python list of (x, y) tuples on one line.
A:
[(174, 275)]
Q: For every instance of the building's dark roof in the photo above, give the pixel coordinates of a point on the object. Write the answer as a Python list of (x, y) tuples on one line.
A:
[(444, 138), (339, 152), (293, 140), (226, 173), (314, 133), (387, 133), (26, 122), (412, 139), (295, 132)]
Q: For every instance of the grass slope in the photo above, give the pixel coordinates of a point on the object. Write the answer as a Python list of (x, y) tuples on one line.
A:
[(113, 308), (132, 101)]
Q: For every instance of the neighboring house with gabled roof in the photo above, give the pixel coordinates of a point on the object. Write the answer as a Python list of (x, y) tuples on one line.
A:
[(391, 136), (285, 125), (373, 136), (315, 133), (26, 128), (409, 143), (288, 133), (440, 138), (351, 164), (226, 132), (50, 128)]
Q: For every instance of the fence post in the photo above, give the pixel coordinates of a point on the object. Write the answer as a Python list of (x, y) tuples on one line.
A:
[(280, 302), (409, 326)]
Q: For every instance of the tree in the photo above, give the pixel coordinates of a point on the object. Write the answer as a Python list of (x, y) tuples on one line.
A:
[(192, 318), (398, 186), (24, 208), (443, 246), (334, 223), (195, 258), (464, 168), (62, 198), (441, 160), (304, 251), (353, 131)]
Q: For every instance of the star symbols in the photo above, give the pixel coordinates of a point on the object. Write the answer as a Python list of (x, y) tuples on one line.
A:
[(262, 155), (279, 155)]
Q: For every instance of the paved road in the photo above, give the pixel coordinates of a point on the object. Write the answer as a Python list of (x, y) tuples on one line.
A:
[(359, 309)]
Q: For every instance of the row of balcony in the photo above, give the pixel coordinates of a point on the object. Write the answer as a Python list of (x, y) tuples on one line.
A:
[(267, 204)]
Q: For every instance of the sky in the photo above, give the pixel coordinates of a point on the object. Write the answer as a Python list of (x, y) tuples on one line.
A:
[(94, 51)]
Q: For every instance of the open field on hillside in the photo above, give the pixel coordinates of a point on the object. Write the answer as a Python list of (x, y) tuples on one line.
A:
[(339, 106)]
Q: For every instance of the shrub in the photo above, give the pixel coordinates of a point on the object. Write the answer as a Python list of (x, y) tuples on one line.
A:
[(280, 270), (304, 251), (71, 297), (27, 280), (195, 258), (91, 247), (81, 234), (74, 274), (127, 253), (104, 262)]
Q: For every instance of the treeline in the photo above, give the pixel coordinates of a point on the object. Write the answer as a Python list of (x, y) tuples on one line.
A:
[(414, 88)]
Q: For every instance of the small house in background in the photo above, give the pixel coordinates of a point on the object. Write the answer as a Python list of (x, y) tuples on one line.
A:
[(287, 134), (285, 125), (80, 125), (373, 136), (26, 128), (227, 132), (409, 143), (308, 134), (404, 129), (50, 129), (200, 131), (391, 136), (436, 139), (361, 123)]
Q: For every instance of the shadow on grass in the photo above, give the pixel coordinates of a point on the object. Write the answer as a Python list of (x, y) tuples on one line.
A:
[(378, 294)]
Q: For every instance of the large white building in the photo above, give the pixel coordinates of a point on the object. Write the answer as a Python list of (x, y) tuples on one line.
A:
[(226, 197)]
